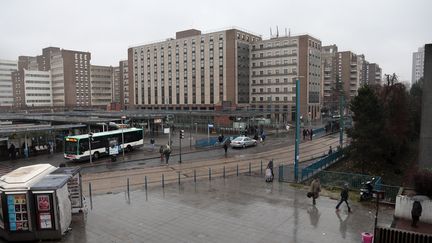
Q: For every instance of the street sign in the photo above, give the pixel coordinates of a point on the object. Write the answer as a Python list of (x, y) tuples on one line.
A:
[(123, 117), (166, 130), (210, 125)]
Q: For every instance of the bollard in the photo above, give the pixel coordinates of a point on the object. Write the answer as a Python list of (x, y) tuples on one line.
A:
[(250, 171), (209, 174), (91, 199), (178, 175), (163, 181), (145, 183), (224, 171), (195, 176), (237, 170), (261, 168)]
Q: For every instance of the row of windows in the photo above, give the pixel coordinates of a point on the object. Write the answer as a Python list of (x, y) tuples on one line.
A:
[(38, 75), (269, 99), (274, 44)]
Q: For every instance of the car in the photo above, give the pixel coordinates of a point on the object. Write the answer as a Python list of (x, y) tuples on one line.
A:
[(243, 142)]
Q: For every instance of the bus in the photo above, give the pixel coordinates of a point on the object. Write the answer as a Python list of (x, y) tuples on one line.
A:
[(77, 147)]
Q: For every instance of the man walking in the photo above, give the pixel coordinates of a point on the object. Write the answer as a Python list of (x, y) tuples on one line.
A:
[(311, 134), (344, 198), (315, 189)]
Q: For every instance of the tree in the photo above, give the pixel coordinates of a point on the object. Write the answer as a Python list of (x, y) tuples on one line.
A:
[(368, 121), (415, 104), (394, 99)]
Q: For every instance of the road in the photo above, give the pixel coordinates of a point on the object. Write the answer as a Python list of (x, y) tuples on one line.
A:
[(112, 177)]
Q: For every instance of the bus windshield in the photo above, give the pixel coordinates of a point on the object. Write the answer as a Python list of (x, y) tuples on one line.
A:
[(70, 147)]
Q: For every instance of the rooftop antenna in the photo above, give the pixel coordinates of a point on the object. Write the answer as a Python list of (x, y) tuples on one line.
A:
[(277, 31), (285, 32), (270, 33)]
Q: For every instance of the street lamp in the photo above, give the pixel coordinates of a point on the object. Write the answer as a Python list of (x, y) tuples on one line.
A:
[(297, 131), (123, 146)]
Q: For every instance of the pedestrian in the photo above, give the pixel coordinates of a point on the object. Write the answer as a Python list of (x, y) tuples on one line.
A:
[(167, 153), (270, 166), (220, 138), (416, 212), (161, 151), (330, 150), (344, 198), (225, 147), (304, 134), (152, 142), (311, 134), (315, 189), (12, 151), (263, 137)]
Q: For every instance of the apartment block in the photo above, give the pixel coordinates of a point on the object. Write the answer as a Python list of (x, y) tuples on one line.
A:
[(418, 64), (329, 83), (101, 83), (276, 63), (37, 86), (373, 74), (192, 71), (116, 85), (7, 67), (124, 82)]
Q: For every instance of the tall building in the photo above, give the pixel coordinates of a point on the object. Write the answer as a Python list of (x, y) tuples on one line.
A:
[(329, 85), (124, 83), (116, 85), (418, 64), (70, 76), (37, 86), (194, 70), (275, 65), (7, 67), (349, 72), (375, 74), (101, 83)]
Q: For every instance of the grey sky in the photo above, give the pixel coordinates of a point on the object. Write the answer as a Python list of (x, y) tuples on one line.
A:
[(386, 31)]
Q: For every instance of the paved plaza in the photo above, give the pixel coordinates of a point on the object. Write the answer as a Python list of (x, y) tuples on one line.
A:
[(237, 209)]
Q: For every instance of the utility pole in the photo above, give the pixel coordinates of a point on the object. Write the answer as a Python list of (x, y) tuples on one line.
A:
[(180, 140), (297, 132), (341, 120)]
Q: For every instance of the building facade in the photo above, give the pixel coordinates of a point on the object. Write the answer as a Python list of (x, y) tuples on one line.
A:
[(116, 85), (124, 83), (38, 89), (192, 71), (7, 67), (101, 83), (418, 64), (275, 65)]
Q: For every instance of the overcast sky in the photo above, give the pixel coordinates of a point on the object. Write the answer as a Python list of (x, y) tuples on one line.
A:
[(386, 31)]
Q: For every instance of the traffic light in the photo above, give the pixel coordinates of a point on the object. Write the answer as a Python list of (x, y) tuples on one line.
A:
[(181, 134)]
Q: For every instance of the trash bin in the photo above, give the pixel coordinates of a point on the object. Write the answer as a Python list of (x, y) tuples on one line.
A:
[(367, 237)]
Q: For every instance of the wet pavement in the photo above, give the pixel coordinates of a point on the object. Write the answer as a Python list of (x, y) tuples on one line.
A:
[(235, 209)]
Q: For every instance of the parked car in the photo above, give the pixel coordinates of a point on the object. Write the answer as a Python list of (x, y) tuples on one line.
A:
[(243, 142)]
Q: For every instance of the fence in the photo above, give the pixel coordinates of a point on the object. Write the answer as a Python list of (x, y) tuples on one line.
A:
[(391, 235), (320, 165)]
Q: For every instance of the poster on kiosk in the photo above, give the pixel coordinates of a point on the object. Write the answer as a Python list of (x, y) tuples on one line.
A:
[(45, 214)]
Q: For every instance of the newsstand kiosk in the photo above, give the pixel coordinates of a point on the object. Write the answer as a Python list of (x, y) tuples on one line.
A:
[(34, 204)]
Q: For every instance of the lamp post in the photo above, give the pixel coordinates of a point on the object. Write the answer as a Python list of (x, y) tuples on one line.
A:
[(297, 132), (123, 146)]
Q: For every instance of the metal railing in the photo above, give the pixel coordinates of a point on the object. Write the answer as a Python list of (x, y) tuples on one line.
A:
[(320, 165), (391, 235)]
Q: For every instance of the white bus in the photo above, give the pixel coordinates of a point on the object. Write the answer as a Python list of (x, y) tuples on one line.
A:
[(77, 147)]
